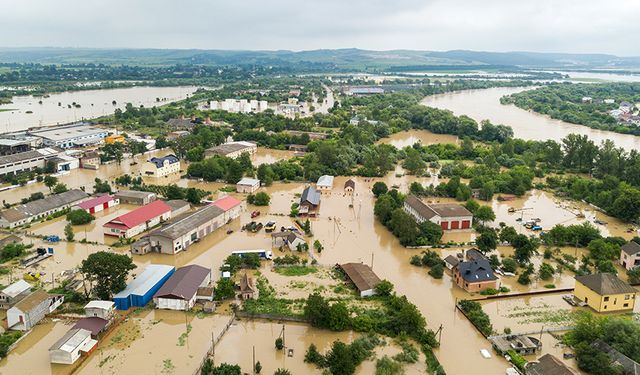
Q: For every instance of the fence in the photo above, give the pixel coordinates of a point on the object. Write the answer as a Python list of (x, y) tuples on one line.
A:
[(214, 341)]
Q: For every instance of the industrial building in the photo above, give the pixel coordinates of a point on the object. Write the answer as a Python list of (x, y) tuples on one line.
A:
[(72, 135), (71, 346), (185, 230), (178, 207), (139, 198), (231, 206), (141, 290), (41, 208), (164, 166), (448, 216), (98, 204), (247, 185), (90, 160), (138, 220), (232, 149), (180, 292), (26, 161)]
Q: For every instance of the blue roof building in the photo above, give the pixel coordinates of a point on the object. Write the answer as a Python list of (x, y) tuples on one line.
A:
[(141, 290), (164, 166)]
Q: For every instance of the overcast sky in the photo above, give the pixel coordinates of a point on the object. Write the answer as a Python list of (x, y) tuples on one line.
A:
[(610, 26)]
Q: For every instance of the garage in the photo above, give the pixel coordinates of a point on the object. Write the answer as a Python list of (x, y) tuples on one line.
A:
[(444, 225), (455, 224), (466, 224)]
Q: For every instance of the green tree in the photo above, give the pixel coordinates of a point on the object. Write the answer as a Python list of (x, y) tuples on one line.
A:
[(338, 319), (487, 241), (282, 371), (634, 275), (524, 247), (68, 232), (340, 359), (192, 196), (79, 217), (225, 288), (261, 199), (384, 288), (101, 186), (316, 310), (279, 343), (174, 192), (484, 214), (379, 188), (258, 367), (60, 188), (50, 182), (226, 369), (546, 271), (106, 273), (509, 265)]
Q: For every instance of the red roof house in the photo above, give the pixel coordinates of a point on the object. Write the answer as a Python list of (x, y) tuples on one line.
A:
[(231, 206), (98, 204), (138, 220)]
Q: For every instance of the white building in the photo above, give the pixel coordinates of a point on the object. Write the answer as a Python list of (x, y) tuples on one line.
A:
[(70, 347), (99, 309), (325, 183), (164, 166), (26, 161), (25, 213), (179, 292), (247, 185), (14, 293), (31, 309), (73, 135)]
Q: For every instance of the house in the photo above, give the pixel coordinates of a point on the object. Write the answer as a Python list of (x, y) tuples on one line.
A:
[(248, 289), (71, 346), (314, 136), (630, 255), (325, 183), (548, 364), (349, 186), (25, 213), (90, 160), (451, 261), (183, 231), (99, 309), (62, 163), (448, 216), (139, 198), (288, 238), (98, 204), (27, 312), (247, 185), (629, 366), (605, 292), (587, 99), (14, 293), (140, 291), (309, 201), (232, 150), (362, 277), (180, 290), (164, 166), (609, 101), (72, 135), (231, 206), (475, 276), (178, 207), (138, 220), (521, 344), (625, 107)]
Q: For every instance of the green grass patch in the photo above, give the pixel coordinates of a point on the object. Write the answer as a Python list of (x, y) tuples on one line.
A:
[(296, 270)]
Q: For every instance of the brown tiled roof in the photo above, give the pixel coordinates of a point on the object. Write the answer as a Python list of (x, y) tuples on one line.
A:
[(361, 275), (420, 207), (605, 284), (350, 183), (549, 365)]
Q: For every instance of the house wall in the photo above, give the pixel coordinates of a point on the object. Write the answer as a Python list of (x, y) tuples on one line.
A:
[(472, 287), (166, 170), (453, 223), (167, 245), (132, 232), (22, 166), (629, 261), (247, 188), (408, 209), (613, 302), (29, 318), (99, 313), (67, 358)]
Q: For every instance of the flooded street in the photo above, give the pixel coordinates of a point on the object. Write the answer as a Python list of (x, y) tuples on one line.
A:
[(485, 105), (93, 103), (403, 139)]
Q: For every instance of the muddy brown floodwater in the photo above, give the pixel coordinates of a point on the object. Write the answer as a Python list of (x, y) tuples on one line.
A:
[(349, 234)]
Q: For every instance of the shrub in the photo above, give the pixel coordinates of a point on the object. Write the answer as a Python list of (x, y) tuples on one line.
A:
[(79, 217)]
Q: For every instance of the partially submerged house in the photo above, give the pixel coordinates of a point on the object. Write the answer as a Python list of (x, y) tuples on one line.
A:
[(325, 183), (248, 288), (98, 204), (140, 291), (180, 291), (164, 166), (605, 292), (449, 216), (247, 185), (138, 220), (475, 275), (139, 198), (309, 201), (290, 239), (27, 312), (232, 149), (39, 209), (362, 276), (349, 186), (630, 255), (521, 344), (548, 364), (14, 293), (71, 346), (231, 206)]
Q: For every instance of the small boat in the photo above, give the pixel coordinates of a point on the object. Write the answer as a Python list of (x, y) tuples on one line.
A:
[(485, 353)]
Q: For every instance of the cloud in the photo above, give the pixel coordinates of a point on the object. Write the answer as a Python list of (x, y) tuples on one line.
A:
[(493, 25)]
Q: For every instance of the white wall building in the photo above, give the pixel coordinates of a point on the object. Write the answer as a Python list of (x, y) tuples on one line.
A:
[(247, 185), (70, 347)]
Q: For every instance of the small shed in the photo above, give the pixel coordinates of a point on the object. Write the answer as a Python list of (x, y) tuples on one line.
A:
[(70, 347), (94, 325), (141, 290), (521, 344), (349, 186), (451, 261), (248, 289), (362, 277), (99, 309)]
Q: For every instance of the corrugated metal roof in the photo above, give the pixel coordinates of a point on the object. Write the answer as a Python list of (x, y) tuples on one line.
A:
[(248, 181), (325, 181), (187, 222), (140, 215), (310, 194), (32, 300), (98, 201), (184, 283), (361, 275), (41, 206), (146, 280), (105, 305), (227, 203), (16, 288), (71, 340)]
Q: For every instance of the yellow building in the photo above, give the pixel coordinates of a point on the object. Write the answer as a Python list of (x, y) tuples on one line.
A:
[(111, 139), (605, 292)]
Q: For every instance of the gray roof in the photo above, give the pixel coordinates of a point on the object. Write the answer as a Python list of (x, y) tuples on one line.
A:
[(177, 204), (40, 206), (310, 194), (133, 194), (60, 133), (231, 147), (450, 210), (361, 275), (476, 271), (187, 222), (184, 283), (28, 155), (605, 284), (631, 248), (71, 340), (548, 364), (420, 207), (452, 260), (631, 367)]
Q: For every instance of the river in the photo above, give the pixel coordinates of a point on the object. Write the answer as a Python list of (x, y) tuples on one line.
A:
[(26, 111), (485, 105)]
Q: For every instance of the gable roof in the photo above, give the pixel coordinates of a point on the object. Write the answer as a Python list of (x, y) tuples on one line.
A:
[(247, 284), (29, 302), (476, 271), (95, 202), (97, 304), (350, 183), (450, 210), (16, 288), (361, 275), (420, 207), (631, 248), (310, 194), (452, 260), (325, 180), (140, 215), (605, 283), (631, 367), (226, 203), (159, 162), (184, 283), (93, 324), (248, 181), (151, 275), (71, 340), (41, 206), (548, 364)]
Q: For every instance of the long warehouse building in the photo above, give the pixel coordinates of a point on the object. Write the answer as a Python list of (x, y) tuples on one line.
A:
[(141, 290)]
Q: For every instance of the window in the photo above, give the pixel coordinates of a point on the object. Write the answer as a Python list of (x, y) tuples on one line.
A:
[(605, 307), (626, 297), (606, 299), (626, 305)]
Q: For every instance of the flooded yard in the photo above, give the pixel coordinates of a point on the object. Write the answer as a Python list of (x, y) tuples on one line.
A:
[(408, 138)]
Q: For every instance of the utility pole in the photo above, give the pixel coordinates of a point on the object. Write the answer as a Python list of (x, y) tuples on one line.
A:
[(254, 359), (213, 349), (440, 333), (372, 260)]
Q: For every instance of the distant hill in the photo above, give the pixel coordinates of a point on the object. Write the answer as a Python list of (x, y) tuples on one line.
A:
[(340, 59)]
